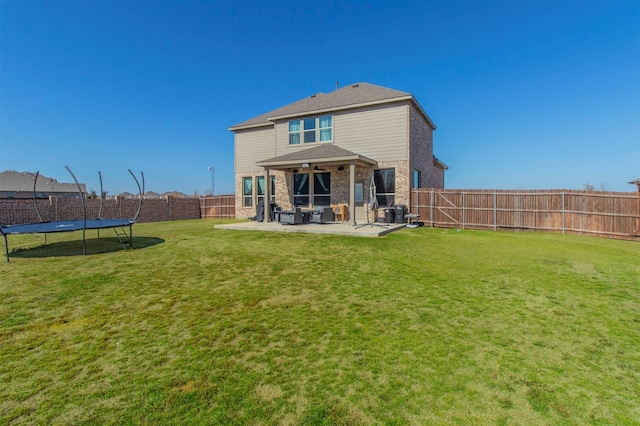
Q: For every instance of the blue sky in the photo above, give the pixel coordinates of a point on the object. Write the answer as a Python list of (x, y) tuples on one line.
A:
[(525, 95)]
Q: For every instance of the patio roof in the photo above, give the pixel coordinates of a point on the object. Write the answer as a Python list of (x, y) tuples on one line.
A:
[(325, 154)]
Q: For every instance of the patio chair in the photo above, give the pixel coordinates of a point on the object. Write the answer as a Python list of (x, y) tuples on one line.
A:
[(322, 215), (292, 217)]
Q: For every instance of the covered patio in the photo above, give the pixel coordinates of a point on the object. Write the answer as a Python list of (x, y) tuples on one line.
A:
[(330, 160), (333, 228)]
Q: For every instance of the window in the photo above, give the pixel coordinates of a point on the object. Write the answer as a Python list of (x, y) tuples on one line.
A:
[(321, 189), (247, 191), (301, 189), (326, 128), (385, 182), (294, 132), (260, 188), (309, 130), (416, 179), (273, 189), (359, 192), (313, 129)]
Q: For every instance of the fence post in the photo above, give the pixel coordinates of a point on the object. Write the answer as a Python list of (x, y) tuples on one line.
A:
[(431, 206), (53, 204), (495, 210), (563, 211), (463, 210)]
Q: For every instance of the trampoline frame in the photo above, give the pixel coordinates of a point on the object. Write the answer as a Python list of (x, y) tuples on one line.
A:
[(46, 227)]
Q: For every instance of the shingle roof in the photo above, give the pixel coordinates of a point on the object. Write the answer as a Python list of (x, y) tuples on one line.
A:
[(348, 96), (439, 163), (318, 154), (12, 181)]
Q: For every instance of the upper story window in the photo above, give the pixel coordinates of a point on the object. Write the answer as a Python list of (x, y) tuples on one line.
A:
[(326, 128), (294, 132), (311, 129)]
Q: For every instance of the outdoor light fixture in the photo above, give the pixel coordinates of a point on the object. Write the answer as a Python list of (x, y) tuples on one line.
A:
[(295, 170), (341, 168)]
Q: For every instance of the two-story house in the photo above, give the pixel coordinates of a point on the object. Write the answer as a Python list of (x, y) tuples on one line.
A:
[(337, 148)]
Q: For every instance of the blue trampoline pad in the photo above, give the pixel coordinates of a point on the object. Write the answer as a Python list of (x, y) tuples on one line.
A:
[(64, 226)]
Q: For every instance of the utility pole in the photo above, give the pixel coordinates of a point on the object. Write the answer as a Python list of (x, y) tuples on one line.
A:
[(213, 179)]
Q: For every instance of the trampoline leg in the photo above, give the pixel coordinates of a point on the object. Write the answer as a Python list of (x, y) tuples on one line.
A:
[(6, 246)]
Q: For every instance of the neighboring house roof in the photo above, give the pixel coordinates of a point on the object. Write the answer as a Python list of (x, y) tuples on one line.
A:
[(322, 154), (175, 194), (12, 181), (352, 96), (152, 194), (635, 182)]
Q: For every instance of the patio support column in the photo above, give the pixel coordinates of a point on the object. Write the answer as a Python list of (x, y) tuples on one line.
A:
[(267, 195), (352, 194)]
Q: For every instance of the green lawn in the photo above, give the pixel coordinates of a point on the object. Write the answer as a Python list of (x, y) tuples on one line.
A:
[(422, 326)]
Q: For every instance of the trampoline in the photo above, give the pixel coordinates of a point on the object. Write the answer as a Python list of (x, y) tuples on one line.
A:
[(44, 227)]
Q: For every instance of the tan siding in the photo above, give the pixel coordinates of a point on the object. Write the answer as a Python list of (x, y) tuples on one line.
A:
[(282, 140), (380, 132), (251, 146)]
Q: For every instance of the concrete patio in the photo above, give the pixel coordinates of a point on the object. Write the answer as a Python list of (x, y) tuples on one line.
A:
[(335, 228)]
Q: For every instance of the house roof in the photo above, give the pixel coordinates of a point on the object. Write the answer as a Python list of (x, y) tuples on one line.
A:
[(322, 154), (636, 182), (439, 163), (12, 181), (351, 96)]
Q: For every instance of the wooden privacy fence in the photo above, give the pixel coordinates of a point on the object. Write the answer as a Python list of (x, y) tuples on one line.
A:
[(608, 214), (218, 207)]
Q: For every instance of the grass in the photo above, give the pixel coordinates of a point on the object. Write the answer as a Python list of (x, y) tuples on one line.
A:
[(423, 326)]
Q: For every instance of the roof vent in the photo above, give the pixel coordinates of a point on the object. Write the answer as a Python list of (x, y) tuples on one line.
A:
[(355, 85), (312, 96)]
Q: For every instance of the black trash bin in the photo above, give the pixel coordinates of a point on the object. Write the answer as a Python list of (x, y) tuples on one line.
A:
[(271, 212), (389, 215), (401, 210)]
